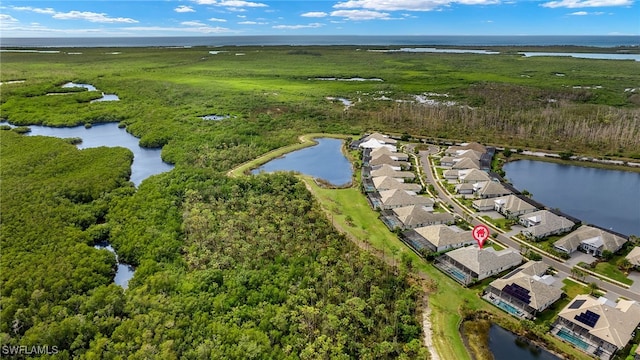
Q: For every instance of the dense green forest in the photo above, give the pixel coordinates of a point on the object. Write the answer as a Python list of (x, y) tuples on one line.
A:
[(246, 267), (226, 268)]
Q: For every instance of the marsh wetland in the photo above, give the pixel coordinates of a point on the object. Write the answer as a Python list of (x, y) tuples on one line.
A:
[(227, 266)]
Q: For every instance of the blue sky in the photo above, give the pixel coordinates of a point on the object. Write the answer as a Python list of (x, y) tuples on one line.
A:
[(118, 18)]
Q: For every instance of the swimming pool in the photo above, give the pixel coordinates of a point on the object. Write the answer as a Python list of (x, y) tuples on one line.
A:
[(566, 335), (508, 308)]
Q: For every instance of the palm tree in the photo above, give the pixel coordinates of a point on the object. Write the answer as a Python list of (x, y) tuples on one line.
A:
[(625, 265)]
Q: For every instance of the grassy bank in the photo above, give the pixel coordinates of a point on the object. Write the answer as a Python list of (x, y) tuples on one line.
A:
[(591, 164)]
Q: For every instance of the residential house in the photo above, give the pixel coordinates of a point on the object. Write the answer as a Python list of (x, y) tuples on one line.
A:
[(634, 257), (543, 223), (472, 176), (456, 149), (484, 204), (447, 161), (387, 159), (382, 183), (374, 144), (388, 170), (525, 291), (512, 206), (385, 151), (468, 264), (465, 163), (591, 240), (464, 188), (469, 154), (450, 174), (381, 138), (598, 327), (396, 198), (415, 216), (443, 237), (490, 189)]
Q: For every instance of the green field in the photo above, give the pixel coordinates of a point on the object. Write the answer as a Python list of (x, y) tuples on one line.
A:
[(256, 267)]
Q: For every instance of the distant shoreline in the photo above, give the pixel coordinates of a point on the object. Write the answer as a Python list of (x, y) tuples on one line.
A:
[(591, 41)]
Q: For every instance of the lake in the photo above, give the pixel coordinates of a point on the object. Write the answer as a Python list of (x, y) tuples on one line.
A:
[(504, 346), (146, 162), (324, 160), (600, 56), (603, 197)]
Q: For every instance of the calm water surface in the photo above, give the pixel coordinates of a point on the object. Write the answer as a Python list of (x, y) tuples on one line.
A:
[(146, 162), (324, 161), (125, 271), (607, 198), (503, 345)]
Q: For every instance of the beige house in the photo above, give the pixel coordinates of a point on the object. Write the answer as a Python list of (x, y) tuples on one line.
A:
[(388, 170), (599, 327), (416, 216), (382, 183), (396, 198), (385, 151), (465, 163), (634, 257), (591, 240), (525, 291), (472, 176), (490, 189), (456, 149), (512, 206), (468, 264), (442, 237), (543, 223)]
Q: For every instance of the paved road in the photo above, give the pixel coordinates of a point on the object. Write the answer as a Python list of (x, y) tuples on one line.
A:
[(473, 219)]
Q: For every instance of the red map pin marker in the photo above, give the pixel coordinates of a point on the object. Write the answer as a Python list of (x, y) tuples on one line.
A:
[(480, 234)]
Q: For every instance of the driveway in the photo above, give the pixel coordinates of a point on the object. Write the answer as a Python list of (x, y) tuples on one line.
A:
[(579, 256)]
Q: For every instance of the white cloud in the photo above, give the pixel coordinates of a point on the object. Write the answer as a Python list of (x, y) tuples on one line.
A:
[(296, 27), (407, 5), (91, 17), (192, 23), (315, 14), (572, 4), (184, 9), (6, 19), (48, 11), (579, 13), (231, 3), (217, 20), (361, 14), (189, 29), (251, 23)]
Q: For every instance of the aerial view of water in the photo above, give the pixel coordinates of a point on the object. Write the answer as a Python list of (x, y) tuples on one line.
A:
[(146, 162), (324, 160), (603, 197), (596, 41), (503, 345)]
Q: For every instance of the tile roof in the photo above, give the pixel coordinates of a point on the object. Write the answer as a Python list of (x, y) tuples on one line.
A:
[(398, 198), (545, 222), (528, 277), (492, 188), (615, 323), (634, 257), (381, 138), (443, 235), (590, 235), (416, 215), (473, 175), (389, 183), (387, 159), (513, 203), (466, 163), (388, 170), (485, 260)]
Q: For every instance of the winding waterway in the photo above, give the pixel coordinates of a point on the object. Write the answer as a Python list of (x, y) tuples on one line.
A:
[(324, 161), (603, 197)]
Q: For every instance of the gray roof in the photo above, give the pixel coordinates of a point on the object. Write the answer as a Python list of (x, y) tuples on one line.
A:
[(386, 151), (493, 188), (382, 138), (485, 260), (473, 175), (466, 163), (446, 159), (450, 173), (546, 222), (399, 198), (386, 159), (528, 277), (592, 235), (471, 154), (616, 322), (388, 170), (472, 145), (634, 257), (443, 235), (416, 215), (513, 203), (389, 183)]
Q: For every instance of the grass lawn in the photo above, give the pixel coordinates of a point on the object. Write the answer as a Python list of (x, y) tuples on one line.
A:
[(504, 224), (609, 269), (449, 298)]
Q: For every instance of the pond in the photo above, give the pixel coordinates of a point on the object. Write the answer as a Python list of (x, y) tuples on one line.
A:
[(324, 161), (603, 197), (89, 87), (124, 273), (146, 162), (506, 346), (599, 56)]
